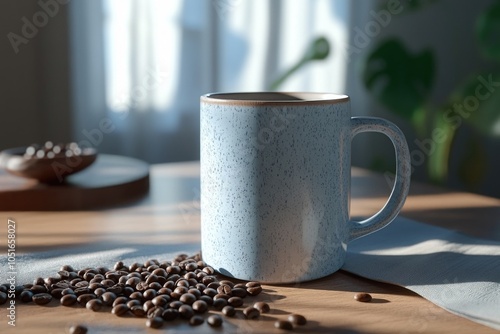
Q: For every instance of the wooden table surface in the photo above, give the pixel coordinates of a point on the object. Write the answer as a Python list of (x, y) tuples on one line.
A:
[(170, 215)]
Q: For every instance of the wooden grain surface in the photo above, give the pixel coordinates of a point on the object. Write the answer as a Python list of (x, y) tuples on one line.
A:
[(170, 215)]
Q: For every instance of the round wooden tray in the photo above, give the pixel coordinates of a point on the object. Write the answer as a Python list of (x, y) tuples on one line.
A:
[(112, 180)]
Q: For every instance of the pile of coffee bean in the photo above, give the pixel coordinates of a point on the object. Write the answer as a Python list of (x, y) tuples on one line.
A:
[(49, 150), (184, 288)]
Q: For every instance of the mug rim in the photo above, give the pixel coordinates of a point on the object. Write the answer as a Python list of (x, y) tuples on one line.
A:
[(258, 98)]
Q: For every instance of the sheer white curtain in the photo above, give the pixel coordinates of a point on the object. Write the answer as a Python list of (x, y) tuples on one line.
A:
[(139, 66)]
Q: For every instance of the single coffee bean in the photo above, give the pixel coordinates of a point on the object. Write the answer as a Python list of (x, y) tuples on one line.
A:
[(191, 266), (200, 306), (151, 278), (227, 282), (74, 281), (68, 300), (209, 270), (82, 291), (207, 300), (120, 310), (148, 305), (120, 300), (169, 285), (67, 267), (107, 283), (262, 307), (108, 298), (83, 299), (67, 291), (173, 270), (88, 276), (214, 320), (283, 324), (160, 272), (39, 281), (138, 311), (218, 304), (136, 295), (224, 289), (99, 292), (195, 292), (26, 296), (3, 298), (240, 286), (235, 301), (175, 304), (56, 293), (78, 329), (213, 285), (155, 322), (252, 284), (155, 311), (38, 289), (363, 297), (118, 265), (133, 281), (82, 284), (60, 285), (116, 289), (210, 292), (131, 303), (189, 275), (196, 320), (41, 298), (170, 314), (95, 286), (160, 300), (157, 285), (254, 290), (94, 305), (128, 290), (251, 312), (186, 311), (181, 289), (183, 282), (297, 319), (164, 291), (229, 311), (221, 295), (188, 298), (239, 292)]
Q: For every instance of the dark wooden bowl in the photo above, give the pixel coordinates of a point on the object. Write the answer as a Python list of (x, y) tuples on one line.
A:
[(45, 170)]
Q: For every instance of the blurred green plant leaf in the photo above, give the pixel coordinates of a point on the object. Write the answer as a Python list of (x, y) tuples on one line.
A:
[(398, 79), (488, 31), (479, 98), (319, 49)]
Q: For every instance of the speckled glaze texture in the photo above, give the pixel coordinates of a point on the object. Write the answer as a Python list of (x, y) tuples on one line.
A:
[(275, 183)]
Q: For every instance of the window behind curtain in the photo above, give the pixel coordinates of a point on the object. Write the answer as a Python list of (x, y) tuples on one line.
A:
[(142, 64)]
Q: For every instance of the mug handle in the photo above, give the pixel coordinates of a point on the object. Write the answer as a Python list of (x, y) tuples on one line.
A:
[(402, 180)]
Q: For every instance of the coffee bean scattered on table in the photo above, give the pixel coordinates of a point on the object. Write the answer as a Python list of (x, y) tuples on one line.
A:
[(363, 297), (185, 288), (263, 307), (283, 324), (78, 329), (297, 319)]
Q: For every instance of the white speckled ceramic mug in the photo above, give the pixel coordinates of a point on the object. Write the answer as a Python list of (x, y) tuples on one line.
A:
[(275, 183)]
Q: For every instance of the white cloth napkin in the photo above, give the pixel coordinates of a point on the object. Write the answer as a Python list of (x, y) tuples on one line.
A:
[(458, 273)]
